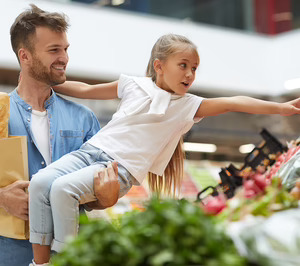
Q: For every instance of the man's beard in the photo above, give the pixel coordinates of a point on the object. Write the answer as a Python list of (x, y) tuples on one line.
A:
[(40, 73)]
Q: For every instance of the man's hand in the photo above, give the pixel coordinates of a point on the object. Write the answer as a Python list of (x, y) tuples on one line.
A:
[(14, 199), (106, 187)]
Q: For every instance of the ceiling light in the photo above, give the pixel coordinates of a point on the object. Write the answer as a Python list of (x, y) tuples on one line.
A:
[(246, 148), (292, 84), (199, 147), (117, 2)]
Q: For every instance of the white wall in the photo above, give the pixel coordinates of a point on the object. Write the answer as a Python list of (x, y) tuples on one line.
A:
[(106, 42)]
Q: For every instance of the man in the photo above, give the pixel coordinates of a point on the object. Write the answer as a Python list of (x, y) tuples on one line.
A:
[(53, 125)]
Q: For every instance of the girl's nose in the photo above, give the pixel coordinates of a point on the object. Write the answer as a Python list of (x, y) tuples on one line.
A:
[(188, 73)]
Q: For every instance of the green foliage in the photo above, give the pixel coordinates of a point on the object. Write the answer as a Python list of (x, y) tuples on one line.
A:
[(168, 232)]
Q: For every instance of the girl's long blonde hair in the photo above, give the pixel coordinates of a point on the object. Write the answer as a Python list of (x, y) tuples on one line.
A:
[(170, 181)]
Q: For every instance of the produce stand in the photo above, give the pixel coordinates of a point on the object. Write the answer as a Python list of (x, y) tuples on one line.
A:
[(249, 217), (259, 203)]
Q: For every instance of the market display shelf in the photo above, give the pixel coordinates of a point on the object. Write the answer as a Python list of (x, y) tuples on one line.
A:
[(263, 154)]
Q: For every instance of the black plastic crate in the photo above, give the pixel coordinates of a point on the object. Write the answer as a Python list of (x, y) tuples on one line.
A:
[(230, 176), (270, 145)]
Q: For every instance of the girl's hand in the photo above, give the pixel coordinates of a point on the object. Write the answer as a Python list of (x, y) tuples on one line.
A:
[(291, 107)]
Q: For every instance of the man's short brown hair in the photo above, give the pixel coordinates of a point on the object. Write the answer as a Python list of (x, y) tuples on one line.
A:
[(24, 26)]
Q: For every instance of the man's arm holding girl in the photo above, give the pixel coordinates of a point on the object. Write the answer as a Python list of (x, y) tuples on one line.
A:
[(106, 184), (106, 187)]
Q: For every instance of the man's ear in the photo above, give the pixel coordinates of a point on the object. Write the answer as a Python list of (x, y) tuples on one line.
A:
[(158, 66), (24, 55)]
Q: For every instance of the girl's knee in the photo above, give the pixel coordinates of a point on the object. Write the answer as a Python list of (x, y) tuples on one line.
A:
[(61, 190), (39, 184)]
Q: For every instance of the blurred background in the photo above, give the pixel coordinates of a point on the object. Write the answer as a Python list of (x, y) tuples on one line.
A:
[(246, 47)]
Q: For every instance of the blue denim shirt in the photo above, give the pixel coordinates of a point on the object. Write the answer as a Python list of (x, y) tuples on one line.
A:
[(71, 124)]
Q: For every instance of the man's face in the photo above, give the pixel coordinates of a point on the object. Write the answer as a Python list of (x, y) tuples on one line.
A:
[(49, 56)]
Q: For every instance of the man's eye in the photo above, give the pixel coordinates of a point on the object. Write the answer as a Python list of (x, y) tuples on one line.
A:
[(53, 50), (194, 68), (183, 65)]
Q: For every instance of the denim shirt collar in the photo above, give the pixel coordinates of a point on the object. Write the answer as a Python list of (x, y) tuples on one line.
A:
[(28, 107)]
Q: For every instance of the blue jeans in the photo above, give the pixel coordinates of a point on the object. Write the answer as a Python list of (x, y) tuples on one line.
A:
[(15, 252), (56, 191)]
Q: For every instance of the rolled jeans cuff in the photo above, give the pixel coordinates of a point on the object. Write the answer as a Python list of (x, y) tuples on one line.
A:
[(57, 245), (42, 239)]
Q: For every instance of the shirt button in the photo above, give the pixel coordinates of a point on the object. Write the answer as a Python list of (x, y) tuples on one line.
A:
[(29, 108), (28, 119), (42, 163)]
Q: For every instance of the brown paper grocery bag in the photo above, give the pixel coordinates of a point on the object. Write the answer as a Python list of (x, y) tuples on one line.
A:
[(13, 167), (4, 114)]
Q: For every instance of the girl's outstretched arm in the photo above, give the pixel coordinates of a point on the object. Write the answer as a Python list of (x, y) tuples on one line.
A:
[(216, 106), (77, 89)]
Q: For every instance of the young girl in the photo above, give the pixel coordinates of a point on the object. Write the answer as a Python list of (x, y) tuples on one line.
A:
[(143, 136)]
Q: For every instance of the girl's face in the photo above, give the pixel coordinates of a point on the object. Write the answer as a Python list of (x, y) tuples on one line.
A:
[(177, 73)]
